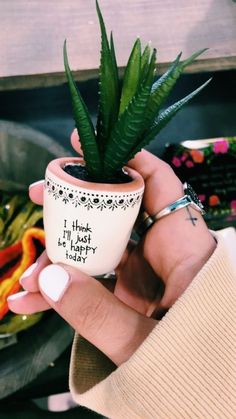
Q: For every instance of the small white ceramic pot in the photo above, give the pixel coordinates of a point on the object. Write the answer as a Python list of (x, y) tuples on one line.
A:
[(88, 224)]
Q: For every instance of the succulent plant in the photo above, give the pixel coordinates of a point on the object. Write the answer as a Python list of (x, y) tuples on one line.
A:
[(130, 113)]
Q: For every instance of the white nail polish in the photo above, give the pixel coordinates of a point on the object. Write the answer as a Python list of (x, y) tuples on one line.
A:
[(36, 183), (18, 295), (28, 271), (53, 281)]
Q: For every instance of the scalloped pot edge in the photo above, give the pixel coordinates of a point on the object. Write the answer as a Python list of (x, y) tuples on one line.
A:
[(88, 225)]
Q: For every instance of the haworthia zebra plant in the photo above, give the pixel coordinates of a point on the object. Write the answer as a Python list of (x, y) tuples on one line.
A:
[(129, 115)]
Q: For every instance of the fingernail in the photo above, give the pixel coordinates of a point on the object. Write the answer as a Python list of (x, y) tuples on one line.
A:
[(53, 281), (17, 295), (36, 183), (28, 272)]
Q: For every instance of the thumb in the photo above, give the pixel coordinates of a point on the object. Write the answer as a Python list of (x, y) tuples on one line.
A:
[(94, 312)]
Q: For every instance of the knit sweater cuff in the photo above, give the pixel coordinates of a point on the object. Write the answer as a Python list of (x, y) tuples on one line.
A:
[(185, 368)]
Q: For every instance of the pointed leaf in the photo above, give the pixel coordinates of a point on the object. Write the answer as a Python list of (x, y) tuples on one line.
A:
[(164, 118), (163, 86), (161, 90), (83, 124), (145, 61), (113, 57), (108, 85), (131, 76), (151, 68), (193, 57), (101, 134), (129, 125)]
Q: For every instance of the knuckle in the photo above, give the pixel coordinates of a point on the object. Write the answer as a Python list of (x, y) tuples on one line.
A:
[(92, 316), (165, 174), (170, 172)]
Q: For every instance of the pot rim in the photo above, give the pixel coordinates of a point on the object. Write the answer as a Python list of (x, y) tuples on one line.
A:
[(56, 167)]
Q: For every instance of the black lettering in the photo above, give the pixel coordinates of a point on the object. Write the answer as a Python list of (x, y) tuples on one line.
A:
[(61, 243)]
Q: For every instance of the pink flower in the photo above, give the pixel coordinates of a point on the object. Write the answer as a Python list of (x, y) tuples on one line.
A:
[(183, 157), (221, 147), (176, 162), (233, 206), (202, 197), (189, 163)]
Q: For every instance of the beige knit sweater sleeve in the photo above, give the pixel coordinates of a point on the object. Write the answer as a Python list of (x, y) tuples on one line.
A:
[(186, 368)]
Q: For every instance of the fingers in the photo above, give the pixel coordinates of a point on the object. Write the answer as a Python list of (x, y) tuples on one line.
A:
[(87, 306), (36, 188), (27, 303), (138, 285), (157, 176), (146, 164), (75, 142), (30, 301), (162, 186), (93, 311), (36, 192), (29, 279), (130, 247)]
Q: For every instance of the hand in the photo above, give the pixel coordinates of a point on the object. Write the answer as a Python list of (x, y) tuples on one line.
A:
[(174, 249)]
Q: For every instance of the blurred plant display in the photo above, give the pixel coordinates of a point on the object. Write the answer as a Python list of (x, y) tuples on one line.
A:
[(21, 242), (209, 165)]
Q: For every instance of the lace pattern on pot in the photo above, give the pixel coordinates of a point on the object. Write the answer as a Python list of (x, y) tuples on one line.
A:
[(91, 200)]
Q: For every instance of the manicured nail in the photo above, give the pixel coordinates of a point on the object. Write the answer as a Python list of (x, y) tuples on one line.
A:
[(17, 295), (36, 183), (53, 281), (28, 272)]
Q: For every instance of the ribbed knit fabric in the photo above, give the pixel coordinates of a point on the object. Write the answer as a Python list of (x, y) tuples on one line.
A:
[(186, 368)]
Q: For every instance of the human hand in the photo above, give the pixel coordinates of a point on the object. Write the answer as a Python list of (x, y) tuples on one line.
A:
[(173, 249)]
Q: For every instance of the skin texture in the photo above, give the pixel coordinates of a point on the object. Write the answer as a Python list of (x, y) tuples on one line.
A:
[(151, 276)]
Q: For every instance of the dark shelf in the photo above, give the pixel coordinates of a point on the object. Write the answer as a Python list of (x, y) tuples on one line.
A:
[(210, 114)]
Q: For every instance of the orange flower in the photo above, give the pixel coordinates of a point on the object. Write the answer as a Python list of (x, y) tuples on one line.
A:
[(197, 156), (214, 200)]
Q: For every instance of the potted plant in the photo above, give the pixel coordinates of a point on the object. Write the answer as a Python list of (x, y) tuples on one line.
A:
[(91, 203)]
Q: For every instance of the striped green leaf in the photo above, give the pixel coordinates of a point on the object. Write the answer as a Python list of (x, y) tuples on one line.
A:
[(109, 95), (193, 57), (164, 85), (131, 76), (161, 90), (83, 124), (145, 62), (164, 118), (113, 57), (129, 125)]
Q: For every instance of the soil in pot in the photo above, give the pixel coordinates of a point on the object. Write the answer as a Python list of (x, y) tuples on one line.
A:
[(79, 171)]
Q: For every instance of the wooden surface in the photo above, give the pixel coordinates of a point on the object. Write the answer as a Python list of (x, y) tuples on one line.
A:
[(32, 34)]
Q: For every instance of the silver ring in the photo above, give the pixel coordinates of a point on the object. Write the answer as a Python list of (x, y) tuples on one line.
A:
[(143, 223), (175, 206), (145, 220)]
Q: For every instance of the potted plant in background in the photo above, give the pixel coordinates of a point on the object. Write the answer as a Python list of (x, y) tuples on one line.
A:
[(91, 203)]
